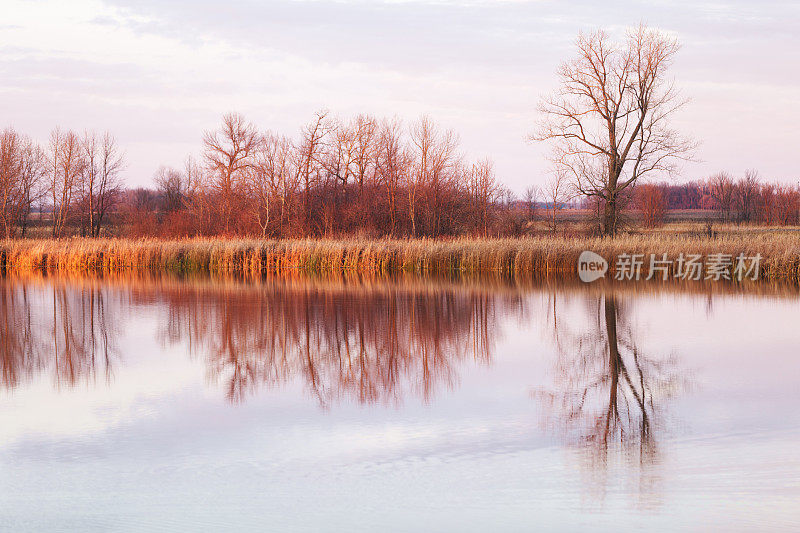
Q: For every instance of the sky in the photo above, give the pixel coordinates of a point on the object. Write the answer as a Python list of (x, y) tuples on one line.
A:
[(157, 74)]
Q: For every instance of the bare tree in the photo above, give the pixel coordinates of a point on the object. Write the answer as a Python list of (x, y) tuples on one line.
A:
[(172, 185), (103, 162), (609, 121), (557, 193), (436, 159), (11, 150), (65, 164), (532, 194), (746, 195), (651, 203), (392, 164), (272, 179), (365, 128), (228, 153), (722, 188), (309, 158), (198, 201), (485, 191), (21, 168), (32, 182)]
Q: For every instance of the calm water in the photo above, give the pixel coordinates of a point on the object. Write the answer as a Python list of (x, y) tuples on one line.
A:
[(396, 406)]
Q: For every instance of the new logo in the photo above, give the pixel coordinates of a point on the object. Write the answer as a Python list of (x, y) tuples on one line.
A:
[(591, 266)]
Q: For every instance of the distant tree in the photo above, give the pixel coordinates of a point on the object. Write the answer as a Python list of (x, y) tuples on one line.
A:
[(787, 205), (746, 195), (485, 191), (557, 192), (651, 204), (173, 188), (609, 121), (532, 194), (721, 188)]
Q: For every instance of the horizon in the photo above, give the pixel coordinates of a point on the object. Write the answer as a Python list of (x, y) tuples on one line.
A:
[(149, 73)]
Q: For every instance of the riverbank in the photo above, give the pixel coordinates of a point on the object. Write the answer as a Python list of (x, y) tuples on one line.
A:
[(538, 258)]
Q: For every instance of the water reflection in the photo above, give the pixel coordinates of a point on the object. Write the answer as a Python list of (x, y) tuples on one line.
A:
[(366, 344), (609, 394), (369, 343), (607, 387), (65, 333), (140, 415)]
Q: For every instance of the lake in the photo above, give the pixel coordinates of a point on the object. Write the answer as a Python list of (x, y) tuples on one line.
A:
[(397, 405)]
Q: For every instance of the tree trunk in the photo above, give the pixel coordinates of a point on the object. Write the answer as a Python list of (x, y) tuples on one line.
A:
[(610, 217)]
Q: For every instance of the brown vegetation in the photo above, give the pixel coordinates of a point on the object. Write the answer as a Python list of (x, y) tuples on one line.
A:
[(537, 258)]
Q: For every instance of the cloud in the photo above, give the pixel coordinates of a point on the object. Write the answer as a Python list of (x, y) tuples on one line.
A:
[(477, 66)]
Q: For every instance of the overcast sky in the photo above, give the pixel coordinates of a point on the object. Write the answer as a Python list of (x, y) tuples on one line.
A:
[(157, 73)]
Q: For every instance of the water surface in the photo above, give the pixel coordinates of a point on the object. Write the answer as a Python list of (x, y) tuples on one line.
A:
[(396, 405)]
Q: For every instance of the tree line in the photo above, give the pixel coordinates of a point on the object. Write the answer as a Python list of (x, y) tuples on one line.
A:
[(359, 176), (744, 200), (78, 178)]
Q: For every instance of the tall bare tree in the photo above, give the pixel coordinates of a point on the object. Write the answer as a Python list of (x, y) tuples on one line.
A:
[(309, 158), (485, 192), (746, 195), (11, 166), (609, 121), (198, 201), (34, 163), (392, 164), (65, 164), (436, 160), (228, 154), (21, 168), (271, 181), (103, 162), (365, 130)]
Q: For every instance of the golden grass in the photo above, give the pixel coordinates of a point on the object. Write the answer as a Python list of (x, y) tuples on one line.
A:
[(529, 258)]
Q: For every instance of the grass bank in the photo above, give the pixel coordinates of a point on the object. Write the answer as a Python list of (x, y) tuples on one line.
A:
[(537, 258)]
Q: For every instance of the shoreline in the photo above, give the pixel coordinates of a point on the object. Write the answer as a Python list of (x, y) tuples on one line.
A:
[(525, 258), (535, 258)]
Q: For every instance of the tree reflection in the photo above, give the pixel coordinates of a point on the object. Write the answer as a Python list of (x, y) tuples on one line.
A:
[(367, 344), (608, 390), (55, 330)]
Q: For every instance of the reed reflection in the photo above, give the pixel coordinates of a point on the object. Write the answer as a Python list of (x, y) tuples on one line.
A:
[(67, 333), (369, 344)]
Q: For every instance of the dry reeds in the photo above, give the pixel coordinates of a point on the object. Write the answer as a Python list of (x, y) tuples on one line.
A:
[(531, 258)]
